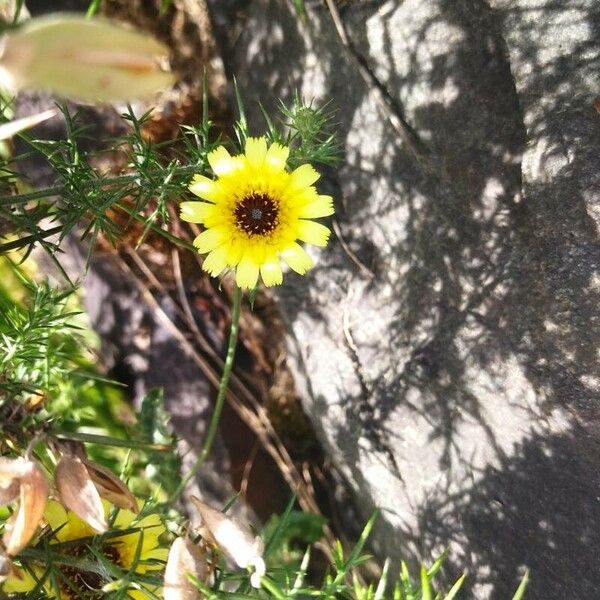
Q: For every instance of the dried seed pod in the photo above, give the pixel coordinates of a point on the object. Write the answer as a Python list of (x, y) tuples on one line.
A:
[(33, 494), (234, 539), (109, 486), (78, 493), (184, 558)]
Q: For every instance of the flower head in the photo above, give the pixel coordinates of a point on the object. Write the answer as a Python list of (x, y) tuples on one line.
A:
[(137, 550), (255, 211)]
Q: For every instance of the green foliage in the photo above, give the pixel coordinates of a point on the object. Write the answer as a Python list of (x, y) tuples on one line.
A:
[(156, 176), (163, 466), (520, 593)]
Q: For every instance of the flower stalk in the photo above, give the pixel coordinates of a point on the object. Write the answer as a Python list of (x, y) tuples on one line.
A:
[(223, 384)]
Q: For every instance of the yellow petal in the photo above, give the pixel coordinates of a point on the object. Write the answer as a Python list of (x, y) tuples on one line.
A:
[(208, 240), (221, 161), (312, 233), (321, 207), (296, 258), (277, 156), (234, 253), (246, 274), (55, 515), (157, 554), (216, 262), (303, 176), (195, 212), (256, 151), (205, 188), (270, 271), (20, 584)]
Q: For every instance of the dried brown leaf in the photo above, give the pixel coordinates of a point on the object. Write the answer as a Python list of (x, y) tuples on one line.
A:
[(109, 486)]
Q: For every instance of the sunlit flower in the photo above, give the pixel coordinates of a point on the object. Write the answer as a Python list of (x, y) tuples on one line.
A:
[(138, 551), (254, 213)]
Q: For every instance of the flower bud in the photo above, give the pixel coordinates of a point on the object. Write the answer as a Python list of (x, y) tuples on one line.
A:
[(78, 493), (86, 59), (233, 538), (184, 558), (33, 493)]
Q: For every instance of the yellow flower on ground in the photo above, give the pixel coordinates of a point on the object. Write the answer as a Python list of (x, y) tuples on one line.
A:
[(121, 550), (255, 211)]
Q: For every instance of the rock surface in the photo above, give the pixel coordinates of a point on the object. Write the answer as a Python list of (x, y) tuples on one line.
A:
[(445, 344)]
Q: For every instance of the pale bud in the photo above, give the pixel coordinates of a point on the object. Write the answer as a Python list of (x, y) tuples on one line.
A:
[(33, 494), (78, 493), (234, 539), (86, 59), (184, 558)]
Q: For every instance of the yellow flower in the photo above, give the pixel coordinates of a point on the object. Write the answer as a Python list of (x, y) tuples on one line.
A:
[(254, 213), (120, 550)]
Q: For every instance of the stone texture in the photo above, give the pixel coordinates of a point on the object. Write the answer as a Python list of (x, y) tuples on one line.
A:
[(453, 377)]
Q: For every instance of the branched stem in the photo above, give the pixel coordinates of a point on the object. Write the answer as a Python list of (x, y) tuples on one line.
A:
[(216, 416), (92, 183)]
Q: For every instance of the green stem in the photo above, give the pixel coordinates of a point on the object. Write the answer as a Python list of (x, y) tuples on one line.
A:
[(271, 587), (105, 440), (216, 416)]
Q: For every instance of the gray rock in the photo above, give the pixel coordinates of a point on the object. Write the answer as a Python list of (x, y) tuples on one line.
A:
[(453, 377)]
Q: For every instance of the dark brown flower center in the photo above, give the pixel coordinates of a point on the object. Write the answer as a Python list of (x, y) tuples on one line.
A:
[(257, 214), (82, 584)]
